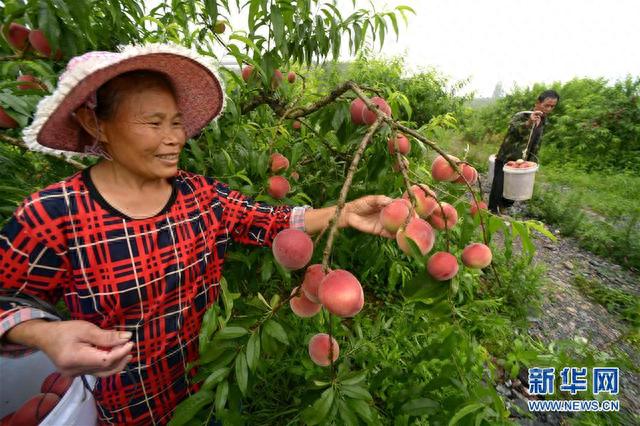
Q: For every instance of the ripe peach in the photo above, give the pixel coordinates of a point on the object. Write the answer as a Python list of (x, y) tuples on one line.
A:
[(276, 79), (34, 410), (247, 72), (295, 176), (404, 146), (6, 121), (319, 349), (296, 125), (442, 266), (219, 27), (356, 108), (292, 249), (40, 43), (420, 233), (278, 162), (303, 307), (17, 35), (393, 215), (476, 255), (445, 217), (291, 77), (56, 383), (341, 293), (441, 170), (475, 206), (278, 187), (469, 173), (369, 117), (31, 83), (425, 200), (312, 279)]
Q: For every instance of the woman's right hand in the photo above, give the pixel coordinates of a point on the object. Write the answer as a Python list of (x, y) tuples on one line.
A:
[(80, 347)]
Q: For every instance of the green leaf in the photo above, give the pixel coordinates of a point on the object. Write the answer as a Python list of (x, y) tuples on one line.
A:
[(424, 288), (356, 392), (253, 350), (188, 408), (216, 377), (362, 409), (276, 331), (419, 407), (320, 409), (277, 24), (464, 411), (539, 226), (347, 415), (354, 378), (242, 373), (209, 326), (267, 268), (221, 396), (231, 332)]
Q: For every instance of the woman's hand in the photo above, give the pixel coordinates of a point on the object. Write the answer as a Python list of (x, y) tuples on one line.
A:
[(77, 347), (363, 214)]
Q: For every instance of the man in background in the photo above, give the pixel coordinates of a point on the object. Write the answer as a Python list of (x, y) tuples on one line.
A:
[(516, 142)]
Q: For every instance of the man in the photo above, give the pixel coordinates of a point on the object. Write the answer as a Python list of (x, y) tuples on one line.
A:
[(520, 137)]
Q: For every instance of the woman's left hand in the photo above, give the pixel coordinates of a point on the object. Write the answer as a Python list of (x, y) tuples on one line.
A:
[(363, 214)]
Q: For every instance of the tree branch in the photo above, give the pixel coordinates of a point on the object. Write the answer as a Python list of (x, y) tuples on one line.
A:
[(20, 144)]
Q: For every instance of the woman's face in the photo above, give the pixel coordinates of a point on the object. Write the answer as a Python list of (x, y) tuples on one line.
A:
[(146, 133)]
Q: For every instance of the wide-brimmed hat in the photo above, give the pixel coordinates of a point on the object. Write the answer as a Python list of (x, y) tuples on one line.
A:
[(195, 80)]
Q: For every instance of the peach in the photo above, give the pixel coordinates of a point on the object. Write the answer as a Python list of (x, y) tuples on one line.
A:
[(34, 410), (443, 218), (393, 215), (303, 307), (356, 108), (276, 79), (419, 232), (441, 170), (292, 249), (369, 117), (278, 187), (247, 72), (341, 293), (404, 146), (476, 255), (291, 77), (296, 125), (477, 205), (425, 200), (442, 266), (40, 43), (320, 352), (56, 383), (30, 83), (17, 35), (469, 174), (219, 27), (295, 176), (6, 121), (279, 162), (312, 279)]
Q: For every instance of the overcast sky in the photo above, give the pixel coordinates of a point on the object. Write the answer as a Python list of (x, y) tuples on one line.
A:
[(517, 41)]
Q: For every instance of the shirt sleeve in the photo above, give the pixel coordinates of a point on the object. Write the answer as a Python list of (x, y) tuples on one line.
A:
[(28, 266), (249, 221)]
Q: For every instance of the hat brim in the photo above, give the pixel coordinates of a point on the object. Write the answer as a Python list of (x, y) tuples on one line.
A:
[(199, 96)]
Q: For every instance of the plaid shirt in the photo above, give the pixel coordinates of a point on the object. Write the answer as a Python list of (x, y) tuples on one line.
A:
[(517, 137), (154, 277)]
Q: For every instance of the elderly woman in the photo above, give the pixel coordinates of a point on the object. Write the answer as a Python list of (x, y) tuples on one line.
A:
[(133, 245)]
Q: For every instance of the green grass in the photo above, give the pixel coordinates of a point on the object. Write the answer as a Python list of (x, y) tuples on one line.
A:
[(617, 302)]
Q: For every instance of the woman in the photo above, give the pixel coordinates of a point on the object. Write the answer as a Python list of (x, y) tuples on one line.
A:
[(134, 246)]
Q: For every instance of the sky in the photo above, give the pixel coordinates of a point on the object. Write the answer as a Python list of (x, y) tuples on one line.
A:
[(520, 42)]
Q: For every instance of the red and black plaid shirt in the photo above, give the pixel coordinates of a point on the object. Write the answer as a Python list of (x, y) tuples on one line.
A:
[(154, 277)]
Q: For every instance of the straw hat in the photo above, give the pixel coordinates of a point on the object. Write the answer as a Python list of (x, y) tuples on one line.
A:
[(198, 87)]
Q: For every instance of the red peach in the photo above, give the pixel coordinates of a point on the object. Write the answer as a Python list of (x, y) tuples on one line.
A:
[(17, 35), (369, 117), (276, 79), (247, 72), (312, 279), (6, 420), (279, 162), (40, 43), (32, 412), (445, 217), (341, 293), (469, 174), (295, 176), (476, 255), (475, 206), (319, 349), (442, 266), (420, 233), (6, 121), (441, 170), (292, 249), (404, 146), (278, 187), (393, 215), (296, 125), (56, 383), (291, 77), (31, 83), (425, 200), (303, 307), (356, 108)]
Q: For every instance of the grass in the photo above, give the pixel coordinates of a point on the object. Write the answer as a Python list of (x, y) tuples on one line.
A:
[(617, 302)]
